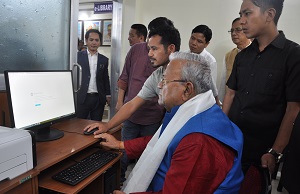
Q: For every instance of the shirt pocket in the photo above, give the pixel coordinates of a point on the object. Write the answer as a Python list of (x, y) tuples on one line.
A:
[(101, 66), (269, 82)]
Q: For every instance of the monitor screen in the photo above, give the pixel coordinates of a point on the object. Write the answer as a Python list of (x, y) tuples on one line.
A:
[(38, 99)]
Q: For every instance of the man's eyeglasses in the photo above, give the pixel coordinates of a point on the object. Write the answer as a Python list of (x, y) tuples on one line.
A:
[(164, 81), (236, 30)]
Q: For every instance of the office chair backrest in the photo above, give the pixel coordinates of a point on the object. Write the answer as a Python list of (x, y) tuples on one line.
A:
[(256, 181)]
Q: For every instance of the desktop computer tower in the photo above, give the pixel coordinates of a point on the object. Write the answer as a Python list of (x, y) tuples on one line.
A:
[(110, 177)]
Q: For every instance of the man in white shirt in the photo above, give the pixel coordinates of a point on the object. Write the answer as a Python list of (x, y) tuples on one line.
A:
[(199, 40)]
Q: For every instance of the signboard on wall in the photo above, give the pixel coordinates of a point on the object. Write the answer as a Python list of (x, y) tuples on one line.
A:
[(103, 7)]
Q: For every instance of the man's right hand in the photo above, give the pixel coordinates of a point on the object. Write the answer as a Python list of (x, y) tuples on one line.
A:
[(102, 127)]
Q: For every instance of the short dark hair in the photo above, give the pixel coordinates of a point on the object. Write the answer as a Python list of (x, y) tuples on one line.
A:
[(140, 29), (87, 34), (169, 35), (236, 19), (205, 30), (265, 4), (159, 22)]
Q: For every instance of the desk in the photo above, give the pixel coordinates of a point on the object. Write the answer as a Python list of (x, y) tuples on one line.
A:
[(25, 183), (56, 155)]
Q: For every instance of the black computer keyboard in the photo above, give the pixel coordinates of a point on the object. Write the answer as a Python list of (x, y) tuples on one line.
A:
[(81, 170)]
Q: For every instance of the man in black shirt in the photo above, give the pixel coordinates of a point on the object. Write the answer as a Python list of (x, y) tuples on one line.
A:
[(264, 90)]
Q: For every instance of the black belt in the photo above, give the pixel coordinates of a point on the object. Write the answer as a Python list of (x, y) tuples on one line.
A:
[(93, 93)]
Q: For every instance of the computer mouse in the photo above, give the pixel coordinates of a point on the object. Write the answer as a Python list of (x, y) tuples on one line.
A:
[(91, 132)]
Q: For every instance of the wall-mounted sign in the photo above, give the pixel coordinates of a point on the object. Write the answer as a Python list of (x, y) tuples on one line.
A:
[(103, 7)]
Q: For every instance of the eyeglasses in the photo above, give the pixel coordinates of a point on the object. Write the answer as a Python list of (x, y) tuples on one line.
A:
[(236, 30), (164, 81)]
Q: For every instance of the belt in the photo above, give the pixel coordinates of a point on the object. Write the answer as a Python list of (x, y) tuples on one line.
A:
[(93, 93)]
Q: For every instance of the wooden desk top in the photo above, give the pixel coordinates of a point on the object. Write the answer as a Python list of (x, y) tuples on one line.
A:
[(66, 150), (52, 152)]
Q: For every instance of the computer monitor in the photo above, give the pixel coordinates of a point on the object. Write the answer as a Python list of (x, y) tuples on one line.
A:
[(38, 99)]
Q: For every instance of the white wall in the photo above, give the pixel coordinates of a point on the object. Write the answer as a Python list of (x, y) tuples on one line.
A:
[(86, 12), (217, 14), (129, 18)]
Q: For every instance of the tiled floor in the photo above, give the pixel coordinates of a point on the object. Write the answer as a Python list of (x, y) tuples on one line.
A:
[(274, 188), (274, 182), (105, 114)]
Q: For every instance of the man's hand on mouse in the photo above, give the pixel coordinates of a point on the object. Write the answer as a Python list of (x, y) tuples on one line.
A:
[(110, 141), (102, 128)]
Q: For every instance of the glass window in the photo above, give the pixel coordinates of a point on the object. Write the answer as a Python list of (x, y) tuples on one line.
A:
[(34, 35)]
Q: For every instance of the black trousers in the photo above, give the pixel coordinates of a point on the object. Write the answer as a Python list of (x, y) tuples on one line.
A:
[(91, 108)]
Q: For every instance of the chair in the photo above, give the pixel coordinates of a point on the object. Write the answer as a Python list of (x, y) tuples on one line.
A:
[(256, 181)]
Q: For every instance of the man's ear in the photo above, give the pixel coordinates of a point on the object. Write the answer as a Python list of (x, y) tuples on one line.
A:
[(188, 92), (172, 48), (206, 44), (142, 38), (271, 14)]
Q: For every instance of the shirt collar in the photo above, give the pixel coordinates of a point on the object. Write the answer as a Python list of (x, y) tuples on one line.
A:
[(245, 47), (278, 42), (89, 53)]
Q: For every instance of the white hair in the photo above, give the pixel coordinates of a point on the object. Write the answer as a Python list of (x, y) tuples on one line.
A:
[(196, 70)]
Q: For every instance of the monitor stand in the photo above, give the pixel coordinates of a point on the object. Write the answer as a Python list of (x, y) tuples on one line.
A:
[(47, 134)]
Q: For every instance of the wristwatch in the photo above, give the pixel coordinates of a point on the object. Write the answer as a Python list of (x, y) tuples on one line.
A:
[(277, 156)]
